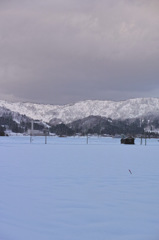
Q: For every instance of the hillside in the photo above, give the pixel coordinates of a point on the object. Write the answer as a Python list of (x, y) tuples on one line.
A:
[(132, 108), (134, 116)]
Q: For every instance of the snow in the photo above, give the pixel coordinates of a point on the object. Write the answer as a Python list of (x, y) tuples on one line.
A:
[(132, 108), (70, 190)]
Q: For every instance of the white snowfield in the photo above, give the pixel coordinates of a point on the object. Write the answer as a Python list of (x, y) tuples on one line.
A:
[(70, 190), (132, 108)]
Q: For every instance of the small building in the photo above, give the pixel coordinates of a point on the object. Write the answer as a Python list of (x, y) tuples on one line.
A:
[(128, 140)]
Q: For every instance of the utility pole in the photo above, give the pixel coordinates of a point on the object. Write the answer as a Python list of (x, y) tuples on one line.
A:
[(45, 138), (141, 141), (46, 132), (31, 131)]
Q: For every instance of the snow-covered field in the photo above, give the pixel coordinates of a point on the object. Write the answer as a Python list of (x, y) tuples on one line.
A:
[(70, 190)]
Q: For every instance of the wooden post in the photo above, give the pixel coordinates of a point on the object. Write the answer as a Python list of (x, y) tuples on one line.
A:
[(45, 134), (30, 138), (31, 131), (141, 141)]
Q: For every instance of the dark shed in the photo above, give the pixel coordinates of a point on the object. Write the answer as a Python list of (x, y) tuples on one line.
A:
[(128, 140)]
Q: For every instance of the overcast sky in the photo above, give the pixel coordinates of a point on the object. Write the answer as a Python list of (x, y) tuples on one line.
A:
[(63, 51)]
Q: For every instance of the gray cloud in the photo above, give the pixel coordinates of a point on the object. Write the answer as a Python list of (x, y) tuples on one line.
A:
[(64, 51)]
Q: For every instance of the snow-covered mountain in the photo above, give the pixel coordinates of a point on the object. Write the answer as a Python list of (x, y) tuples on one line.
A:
[(132, 108), (16, 116)]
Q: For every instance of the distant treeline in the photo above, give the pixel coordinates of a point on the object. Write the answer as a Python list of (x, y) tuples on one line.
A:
[(106, 126), (8, 123), (90, 125)]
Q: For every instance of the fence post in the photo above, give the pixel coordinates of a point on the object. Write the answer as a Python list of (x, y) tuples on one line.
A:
[(141, 141)]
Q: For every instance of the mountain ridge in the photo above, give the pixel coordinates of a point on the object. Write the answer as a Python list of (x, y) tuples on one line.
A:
[(125, 109)]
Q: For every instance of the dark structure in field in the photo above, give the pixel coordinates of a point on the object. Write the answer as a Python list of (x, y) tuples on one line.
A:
[(128, 140)]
